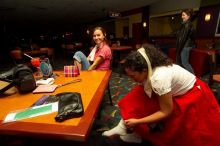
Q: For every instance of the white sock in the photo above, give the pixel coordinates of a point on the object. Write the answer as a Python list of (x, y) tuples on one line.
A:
[(131, 138), (120, 129)]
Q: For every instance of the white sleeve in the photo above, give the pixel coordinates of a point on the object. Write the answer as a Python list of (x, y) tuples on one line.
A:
[(161, 83)]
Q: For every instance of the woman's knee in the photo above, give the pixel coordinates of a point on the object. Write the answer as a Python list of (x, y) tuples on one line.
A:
[(78, 54)]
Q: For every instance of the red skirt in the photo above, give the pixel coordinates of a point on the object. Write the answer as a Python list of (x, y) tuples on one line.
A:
[(195, 120)]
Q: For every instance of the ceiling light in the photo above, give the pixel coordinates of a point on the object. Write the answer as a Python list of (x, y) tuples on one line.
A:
[(87, 31), (207, 17), (114, 14), (144, 24)]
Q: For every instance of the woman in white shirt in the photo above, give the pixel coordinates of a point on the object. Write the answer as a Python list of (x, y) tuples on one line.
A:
[(171, 107)]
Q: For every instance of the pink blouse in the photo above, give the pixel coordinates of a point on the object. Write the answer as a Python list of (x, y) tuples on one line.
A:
[(104, 51)]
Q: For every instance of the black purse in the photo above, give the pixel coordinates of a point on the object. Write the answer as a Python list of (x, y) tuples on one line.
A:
[(69, 106)]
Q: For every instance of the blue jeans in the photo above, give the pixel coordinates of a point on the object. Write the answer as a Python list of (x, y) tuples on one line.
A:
[(183, 59), (80, 57)]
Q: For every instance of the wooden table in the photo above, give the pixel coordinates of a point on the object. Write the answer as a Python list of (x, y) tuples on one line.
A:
[(92, 88), (121, 48), (36, 53), (117, 52)]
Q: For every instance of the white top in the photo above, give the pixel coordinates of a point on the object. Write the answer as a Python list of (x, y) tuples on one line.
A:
[(171, 78), (92, 53)]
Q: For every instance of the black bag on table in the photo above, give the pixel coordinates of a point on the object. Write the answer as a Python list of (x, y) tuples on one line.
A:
[(69, 106), (20, 76)]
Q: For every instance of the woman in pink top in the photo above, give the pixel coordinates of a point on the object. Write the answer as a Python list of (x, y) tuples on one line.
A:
[(100, 56)]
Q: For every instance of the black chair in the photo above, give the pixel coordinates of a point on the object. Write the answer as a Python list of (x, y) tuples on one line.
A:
[(17, 56)]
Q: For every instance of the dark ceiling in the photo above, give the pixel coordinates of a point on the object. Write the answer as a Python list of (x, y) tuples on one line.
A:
[(50, 13)]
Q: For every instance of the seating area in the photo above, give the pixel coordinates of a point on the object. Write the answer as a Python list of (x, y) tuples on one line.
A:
[(200, 64), (58, 30), (18, 56), (205, 65), (199, 59), (69, 48)]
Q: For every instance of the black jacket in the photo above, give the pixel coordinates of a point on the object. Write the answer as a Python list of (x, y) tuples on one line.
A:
[(185, 36)]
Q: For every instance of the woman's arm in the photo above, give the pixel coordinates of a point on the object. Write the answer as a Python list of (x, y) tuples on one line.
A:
[(166, 107), (97, 61)]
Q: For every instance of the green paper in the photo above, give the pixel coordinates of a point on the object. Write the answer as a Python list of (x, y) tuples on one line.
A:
[(33, 111)]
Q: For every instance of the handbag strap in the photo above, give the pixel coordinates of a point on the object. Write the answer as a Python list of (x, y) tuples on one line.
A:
[(7, 87), (67, 83)]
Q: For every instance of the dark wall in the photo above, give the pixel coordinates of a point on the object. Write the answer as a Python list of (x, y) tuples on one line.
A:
[(145, 18), (207, 28)]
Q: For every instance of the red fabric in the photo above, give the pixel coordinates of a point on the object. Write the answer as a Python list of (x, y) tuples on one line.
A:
[(195, 120)]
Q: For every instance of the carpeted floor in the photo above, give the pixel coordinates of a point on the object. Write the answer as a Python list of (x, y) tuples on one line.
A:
[(119, 87), (108, 117)]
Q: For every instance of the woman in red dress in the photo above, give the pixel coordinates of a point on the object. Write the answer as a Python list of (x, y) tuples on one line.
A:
[(171, 106)]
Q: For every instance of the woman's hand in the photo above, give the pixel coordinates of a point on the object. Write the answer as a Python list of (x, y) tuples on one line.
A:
[(131, 123)]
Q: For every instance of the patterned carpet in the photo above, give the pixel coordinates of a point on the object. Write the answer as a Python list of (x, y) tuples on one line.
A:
[(108, 117), (119, 87)]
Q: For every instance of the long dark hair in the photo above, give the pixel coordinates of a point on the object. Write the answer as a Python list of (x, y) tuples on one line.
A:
[(136, 62)]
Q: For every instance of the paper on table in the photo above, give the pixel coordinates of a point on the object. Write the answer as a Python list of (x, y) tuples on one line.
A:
[(31, 112)]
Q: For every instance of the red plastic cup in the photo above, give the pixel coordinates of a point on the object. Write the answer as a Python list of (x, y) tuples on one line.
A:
[(35, 62)]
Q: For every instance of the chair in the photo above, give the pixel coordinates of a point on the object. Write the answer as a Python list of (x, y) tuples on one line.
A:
[(17, 56), (50, 54), (199, 59), (69, 48)]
